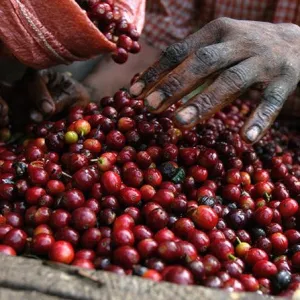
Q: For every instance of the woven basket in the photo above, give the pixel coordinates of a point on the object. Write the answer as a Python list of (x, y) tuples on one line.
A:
[(29, 279)]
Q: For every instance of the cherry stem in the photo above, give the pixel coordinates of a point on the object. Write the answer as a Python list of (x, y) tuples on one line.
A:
[(232, 257), (94, 160), (238, 240), (267, 196), (244, 193), (66, 175)]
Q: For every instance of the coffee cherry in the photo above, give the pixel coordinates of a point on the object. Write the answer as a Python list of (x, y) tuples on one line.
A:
[(111, 182), (73, 199), (67, 234), (242, 248), (199, 239), (211, 264), (264, 268), (83, 263), (120, 56), (62, 252), (126, 256), (82, 127), (263, 216), (71, 137), (179, 275), (85, 254), (288, 207), (60, 218), (83, 218), (281, 280), (164, 198), (254, 255), (205, 217), (90, 238), (7, 250), (279, 243), (157, 219), (42, 243), (15, 238), (130, 196), (222, 249), (249, 282)]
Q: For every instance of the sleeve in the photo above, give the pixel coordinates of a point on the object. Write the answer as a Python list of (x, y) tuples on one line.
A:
[(169, 21)]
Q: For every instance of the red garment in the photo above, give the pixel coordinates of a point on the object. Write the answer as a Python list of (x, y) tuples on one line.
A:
[(168, 21)]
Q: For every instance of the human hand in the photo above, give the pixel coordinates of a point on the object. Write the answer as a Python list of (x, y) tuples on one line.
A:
[(235, 55), (100, 81), (38, 96)]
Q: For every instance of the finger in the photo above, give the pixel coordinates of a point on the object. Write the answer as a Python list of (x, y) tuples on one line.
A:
[(36, 116), (226, 88), (66, 92), (38, 92), (266, 112), (175, 54), (192, 73)]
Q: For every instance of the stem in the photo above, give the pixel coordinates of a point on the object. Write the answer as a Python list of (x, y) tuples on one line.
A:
[(267, 196), (94, 160), (232, 257), (238, 240), (66, 174)]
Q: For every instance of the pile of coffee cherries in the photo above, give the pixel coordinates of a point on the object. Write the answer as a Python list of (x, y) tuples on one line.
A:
[(122, 190), (109, 20)]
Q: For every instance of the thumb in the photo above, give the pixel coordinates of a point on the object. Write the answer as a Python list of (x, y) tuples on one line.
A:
[(38, 92)]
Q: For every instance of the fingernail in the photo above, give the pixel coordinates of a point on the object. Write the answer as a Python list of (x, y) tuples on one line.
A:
[(47, 107), (154, 100), (253, 133), (137, 88), (36, 116), (187, 115)]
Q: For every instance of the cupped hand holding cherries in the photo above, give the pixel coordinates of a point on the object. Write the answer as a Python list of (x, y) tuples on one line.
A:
[(108, 17)]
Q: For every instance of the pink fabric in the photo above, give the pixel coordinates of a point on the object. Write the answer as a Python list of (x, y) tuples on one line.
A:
[(43, 33)]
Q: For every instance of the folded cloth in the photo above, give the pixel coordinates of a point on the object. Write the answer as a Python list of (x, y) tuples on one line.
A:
[(44, 33)]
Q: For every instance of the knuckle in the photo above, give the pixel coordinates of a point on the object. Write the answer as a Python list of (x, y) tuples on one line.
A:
[(219, 22), (150, 76), (172, 85), (175, 53), (290, 71), (289, 26), (265, 113), (235, 79), (171, 57), (275, 98), (207, 56), (205, 103), (271, 105)]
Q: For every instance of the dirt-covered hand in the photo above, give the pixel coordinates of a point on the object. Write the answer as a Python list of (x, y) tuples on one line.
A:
[(40, 95), (235, 55)]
